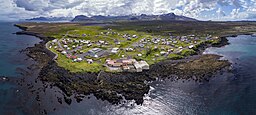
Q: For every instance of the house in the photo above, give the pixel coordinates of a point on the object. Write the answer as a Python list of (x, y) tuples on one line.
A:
[(79, 59), (73, 57), (89, 45), (95, 52), (55, 40), (138, 67), (144, 65), (110, 62), (64, 52), (128, 61), (141, 65), (191, 46), (87, 41), (84, 35), (163, 52), (170, 50), (101, 42), (114, 50), (129, 38), (126, 68), (89, 61), (129, 49), (115, 64), (141, 45)]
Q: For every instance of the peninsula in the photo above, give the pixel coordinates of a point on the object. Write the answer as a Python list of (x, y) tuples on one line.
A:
[(113, 58)]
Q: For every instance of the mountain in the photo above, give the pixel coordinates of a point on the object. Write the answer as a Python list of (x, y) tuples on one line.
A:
[(81, 18), (142, 17), (46, 19)]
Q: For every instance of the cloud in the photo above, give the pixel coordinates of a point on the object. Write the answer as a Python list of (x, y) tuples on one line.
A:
[(200, 9)]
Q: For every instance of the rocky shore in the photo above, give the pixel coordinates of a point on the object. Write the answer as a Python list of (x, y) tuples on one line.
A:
[(116, 87)]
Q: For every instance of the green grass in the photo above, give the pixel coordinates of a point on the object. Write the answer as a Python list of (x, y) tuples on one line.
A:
[(146, 29), (187, 52), (175, 56), (77, 66), (148, 54)]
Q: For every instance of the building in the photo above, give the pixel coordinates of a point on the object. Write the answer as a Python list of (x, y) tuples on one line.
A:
[(95, 52), (191, 46), (114, 50), (126, 68), (138, 67), (130, 65), (144, 65), (90, 61), (128, 61)]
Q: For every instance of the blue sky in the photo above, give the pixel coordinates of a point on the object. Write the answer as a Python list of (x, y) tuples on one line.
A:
[(199, 9)]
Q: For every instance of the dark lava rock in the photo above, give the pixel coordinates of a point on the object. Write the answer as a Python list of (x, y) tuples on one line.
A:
[(67, 100), (59, 100)]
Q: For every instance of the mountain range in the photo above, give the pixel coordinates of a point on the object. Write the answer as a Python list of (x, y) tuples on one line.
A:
[(142, 17), (47, 19)]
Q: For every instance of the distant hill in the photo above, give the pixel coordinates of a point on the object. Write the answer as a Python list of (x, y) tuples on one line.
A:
[(142, 17), (50, 19)]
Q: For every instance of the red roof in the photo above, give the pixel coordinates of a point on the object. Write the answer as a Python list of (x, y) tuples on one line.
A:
[(73, 57)]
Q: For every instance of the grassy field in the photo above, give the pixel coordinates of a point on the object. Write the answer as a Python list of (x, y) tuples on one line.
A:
[(148, 29)]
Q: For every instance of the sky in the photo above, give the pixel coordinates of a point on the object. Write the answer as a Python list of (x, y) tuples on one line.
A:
[(200, 9)]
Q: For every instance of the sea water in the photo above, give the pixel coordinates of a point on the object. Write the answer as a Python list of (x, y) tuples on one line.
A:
[(11, 58)]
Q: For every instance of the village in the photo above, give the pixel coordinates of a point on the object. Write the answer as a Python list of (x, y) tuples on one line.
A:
[(123, 51)]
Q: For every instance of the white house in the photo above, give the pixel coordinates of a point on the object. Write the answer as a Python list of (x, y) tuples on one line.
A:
[(90, 61), (54, 41), (134, 36), (144, 65), (114, 50), (64, 52), (191, 46), (138, 67), (162, 52), (79, 59)]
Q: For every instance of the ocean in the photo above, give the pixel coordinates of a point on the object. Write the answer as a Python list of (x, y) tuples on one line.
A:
[(228, 93), (12, 60)]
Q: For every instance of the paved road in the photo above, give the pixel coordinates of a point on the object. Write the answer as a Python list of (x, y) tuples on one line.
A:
[(56, 55), (58, 42)]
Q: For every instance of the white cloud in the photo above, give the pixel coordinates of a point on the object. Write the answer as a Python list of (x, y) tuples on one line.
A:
[(22, 9)]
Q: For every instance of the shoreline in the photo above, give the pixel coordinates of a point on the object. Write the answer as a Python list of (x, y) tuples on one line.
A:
[(108, 86)]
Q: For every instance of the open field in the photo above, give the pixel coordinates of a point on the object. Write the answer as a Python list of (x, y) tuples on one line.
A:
[(151, 41)]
